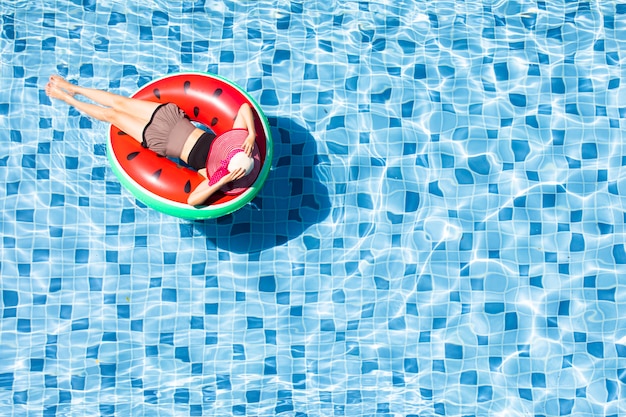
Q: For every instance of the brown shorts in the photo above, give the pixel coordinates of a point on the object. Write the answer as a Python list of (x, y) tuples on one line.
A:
[(167, 130)]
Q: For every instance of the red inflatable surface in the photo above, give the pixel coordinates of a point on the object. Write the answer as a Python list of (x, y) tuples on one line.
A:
[(206, 99)]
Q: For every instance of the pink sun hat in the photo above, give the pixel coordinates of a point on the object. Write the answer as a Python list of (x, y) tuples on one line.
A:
[(226, 155)]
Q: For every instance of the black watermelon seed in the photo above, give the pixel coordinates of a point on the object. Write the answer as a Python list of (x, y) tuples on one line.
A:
[(120, 133), (188, 187), (157, 93), (187, 85), (214, 121), (196, 111), (218, 92), (157, 174), (132, 155)]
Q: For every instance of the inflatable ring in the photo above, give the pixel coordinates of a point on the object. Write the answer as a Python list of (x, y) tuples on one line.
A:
[(163, 184)]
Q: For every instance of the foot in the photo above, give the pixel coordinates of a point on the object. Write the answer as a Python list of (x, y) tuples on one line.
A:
[(55, 92), (62, 84)]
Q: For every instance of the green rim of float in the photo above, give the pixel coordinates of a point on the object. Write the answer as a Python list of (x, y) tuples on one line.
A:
[(184, 210)]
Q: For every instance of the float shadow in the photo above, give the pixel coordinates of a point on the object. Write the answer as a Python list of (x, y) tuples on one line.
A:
[(291, 200)]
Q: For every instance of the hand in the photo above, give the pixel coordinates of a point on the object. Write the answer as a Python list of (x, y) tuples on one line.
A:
[(248, 144), (233, 176), (204, 190)]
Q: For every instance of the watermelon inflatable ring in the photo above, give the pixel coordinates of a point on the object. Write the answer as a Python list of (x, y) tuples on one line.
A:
[(164, 184)]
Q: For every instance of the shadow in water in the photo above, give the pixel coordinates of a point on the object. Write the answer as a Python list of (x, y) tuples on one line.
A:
[(291, 200)]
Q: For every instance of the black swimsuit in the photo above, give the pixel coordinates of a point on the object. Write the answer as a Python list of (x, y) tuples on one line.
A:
[(200, 151)]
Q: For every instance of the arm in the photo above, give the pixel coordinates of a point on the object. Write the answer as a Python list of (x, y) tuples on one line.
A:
[(245, 120), (204, 190)]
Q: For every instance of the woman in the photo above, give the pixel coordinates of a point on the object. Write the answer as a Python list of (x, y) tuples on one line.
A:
[(164, 128)]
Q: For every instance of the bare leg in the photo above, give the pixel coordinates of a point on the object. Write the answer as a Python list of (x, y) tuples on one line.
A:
[(132, 126), (141, 109)]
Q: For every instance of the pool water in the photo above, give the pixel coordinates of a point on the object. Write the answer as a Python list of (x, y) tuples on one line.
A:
[(442, 231)]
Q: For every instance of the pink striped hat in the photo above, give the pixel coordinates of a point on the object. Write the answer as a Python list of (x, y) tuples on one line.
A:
[(223, 150)]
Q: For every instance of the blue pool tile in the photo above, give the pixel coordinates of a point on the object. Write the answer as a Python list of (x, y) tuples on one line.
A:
[(596, 349), (619, 254), (399, 135)]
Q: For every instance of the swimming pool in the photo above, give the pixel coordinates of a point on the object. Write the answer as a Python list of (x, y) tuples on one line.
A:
[(442, 232)]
